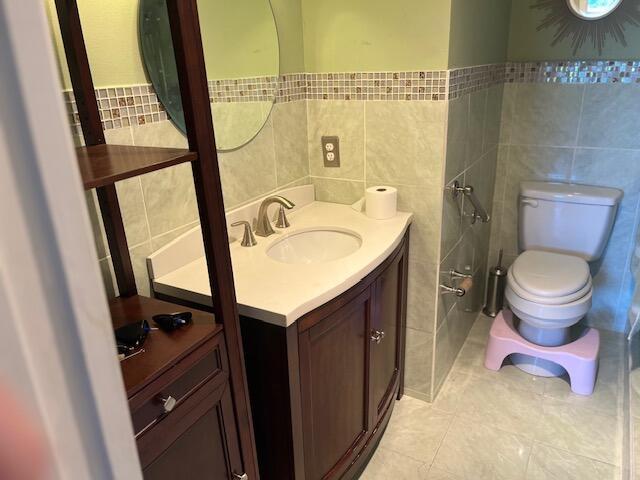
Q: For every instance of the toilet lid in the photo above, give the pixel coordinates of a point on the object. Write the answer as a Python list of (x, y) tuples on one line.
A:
[(550, 275)]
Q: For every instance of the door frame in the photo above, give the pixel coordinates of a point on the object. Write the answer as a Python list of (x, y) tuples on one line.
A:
[(59, 358)]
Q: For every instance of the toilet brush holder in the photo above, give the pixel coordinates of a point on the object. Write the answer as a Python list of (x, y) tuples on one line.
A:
[(495, 289)]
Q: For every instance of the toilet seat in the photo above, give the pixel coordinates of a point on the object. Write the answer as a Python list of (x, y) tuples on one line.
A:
[(523, 293), (550, 275), (549, 290)]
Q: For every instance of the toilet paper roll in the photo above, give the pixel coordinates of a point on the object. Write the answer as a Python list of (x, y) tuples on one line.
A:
[(380, 202)]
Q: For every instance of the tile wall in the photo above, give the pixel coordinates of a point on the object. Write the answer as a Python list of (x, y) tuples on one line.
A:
[(412, 142), (159, 206), (473, 129), (578, 128)]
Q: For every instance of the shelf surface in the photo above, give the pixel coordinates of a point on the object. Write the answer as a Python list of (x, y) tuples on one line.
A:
[(102, 165), (162, 350)]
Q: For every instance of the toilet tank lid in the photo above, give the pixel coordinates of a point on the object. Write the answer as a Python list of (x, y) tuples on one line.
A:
[(571, 193)]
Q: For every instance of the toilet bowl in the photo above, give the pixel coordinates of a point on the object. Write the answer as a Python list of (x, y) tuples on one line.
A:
[(548, 292)]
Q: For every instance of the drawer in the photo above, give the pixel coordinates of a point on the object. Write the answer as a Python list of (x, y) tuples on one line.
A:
[(172, 388)]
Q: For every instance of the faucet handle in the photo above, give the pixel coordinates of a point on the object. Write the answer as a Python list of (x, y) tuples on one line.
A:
[(281, 218), (248, 240)]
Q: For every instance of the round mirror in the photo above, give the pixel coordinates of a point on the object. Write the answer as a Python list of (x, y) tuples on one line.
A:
[(593, 9), (242, 58)]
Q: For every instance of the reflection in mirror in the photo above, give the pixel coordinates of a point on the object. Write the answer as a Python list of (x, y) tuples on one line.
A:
[(593, 9), (241, 51)]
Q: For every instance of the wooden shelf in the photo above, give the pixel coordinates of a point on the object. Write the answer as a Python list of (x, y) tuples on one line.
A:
[(162, 350), (102, 165)]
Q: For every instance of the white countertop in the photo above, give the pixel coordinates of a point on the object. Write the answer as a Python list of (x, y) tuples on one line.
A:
[(280, 293)]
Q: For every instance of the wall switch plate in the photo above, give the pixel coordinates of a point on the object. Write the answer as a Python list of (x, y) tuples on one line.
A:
[(331, 151)]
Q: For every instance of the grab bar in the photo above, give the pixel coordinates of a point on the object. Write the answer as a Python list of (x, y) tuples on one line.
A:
[(479, 213)]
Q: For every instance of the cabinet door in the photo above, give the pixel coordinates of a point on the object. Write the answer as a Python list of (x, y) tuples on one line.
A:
[(198, 439), (387, 332), (334, 378)]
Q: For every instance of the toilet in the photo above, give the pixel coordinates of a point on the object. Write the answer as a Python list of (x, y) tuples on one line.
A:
[(561, 227)]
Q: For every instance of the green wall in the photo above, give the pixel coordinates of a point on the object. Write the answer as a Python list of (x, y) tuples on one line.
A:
[(288, 15), (111, 37), (479, 32), (238, 39), (527, 44), (375, 35)]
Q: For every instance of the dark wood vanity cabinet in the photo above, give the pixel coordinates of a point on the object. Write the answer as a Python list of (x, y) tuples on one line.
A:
[(322, 390), (180, 398)]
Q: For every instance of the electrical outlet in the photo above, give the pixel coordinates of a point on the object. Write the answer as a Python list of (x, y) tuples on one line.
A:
[(331, 151)]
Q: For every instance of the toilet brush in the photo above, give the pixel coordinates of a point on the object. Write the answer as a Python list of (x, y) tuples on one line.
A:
[(495, 289)]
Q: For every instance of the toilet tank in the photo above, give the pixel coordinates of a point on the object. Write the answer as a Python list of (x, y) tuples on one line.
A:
[(566, 218)]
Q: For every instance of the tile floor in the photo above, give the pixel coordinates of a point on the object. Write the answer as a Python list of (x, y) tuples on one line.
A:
[(507, 425)]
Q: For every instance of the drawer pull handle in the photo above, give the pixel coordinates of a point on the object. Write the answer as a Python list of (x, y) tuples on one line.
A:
[(168, 403), (242, 476), (377, 336)]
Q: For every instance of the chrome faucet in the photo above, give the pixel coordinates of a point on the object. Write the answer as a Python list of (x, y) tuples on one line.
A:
[(263, 226)]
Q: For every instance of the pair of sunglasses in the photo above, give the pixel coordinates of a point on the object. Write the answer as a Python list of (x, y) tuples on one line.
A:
[(131, 336), (168, 322)]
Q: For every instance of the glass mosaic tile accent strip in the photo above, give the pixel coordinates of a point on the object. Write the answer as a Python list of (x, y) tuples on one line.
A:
[(574, 72), (138, 104), (120, 107), (425, 85), (292, 87), (463, 81), (250, 89)]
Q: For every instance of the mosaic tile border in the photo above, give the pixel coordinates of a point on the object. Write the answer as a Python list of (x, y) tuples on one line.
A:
[(120, 107), (463, 81), (417, 85), (574, 72), (250, 89), (138, 104)]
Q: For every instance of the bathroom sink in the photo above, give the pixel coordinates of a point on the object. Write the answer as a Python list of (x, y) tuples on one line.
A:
[(315, 246)]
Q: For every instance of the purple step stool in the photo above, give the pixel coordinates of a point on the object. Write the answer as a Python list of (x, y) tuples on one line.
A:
[(579, 358)]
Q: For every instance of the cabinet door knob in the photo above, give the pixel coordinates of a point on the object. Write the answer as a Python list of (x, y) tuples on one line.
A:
[(377, 336), (241, 476), (168, 403)]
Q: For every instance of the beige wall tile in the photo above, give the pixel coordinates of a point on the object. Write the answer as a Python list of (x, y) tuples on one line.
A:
[(97, 226), (346, 120), (418, 361), (170, 199), (493, 113), (421, 296), (425, 204), (337, 191), (133, 212), (546, 114), (475, 134), (457, 134), (250, 171), (161, 240), (405, 142), (160, 134), (508, 112), (290, 141), (119, 136), (609, 118)]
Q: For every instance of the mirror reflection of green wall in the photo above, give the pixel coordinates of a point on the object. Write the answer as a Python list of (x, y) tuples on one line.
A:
[(240, 43)]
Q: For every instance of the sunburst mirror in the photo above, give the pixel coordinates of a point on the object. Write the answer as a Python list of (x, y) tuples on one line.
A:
[(592, 20)]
